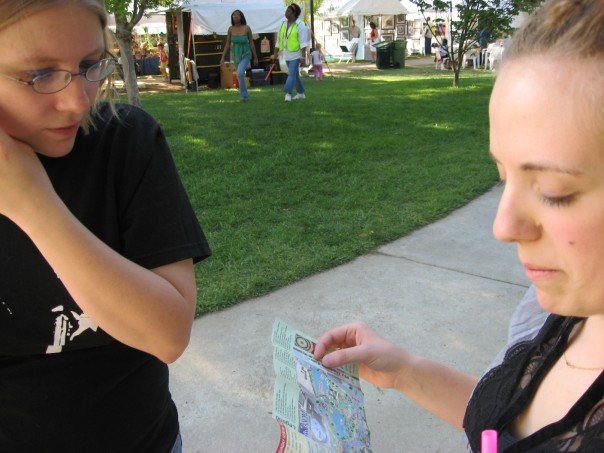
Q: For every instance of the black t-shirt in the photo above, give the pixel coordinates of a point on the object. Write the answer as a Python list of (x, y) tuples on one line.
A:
[(65, 385)]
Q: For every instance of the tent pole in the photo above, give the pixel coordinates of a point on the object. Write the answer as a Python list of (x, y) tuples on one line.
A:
[(312, 23)]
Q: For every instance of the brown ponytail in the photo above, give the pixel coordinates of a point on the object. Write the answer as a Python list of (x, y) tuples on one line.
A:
[(562, 28)]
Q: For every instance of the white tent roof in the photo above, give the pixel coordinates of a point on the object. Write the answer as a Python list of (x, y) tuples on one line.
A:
[(155, 23), (368, 8), (412, 8), (214, 16)]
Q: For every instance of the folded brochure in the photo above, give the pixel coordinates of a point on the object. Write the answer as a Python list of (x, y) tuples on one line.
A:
[(319, 410)]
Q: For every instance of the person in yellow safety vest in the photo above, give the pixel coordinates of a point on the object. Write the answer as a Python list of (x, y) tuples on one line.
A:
[(293, 40)]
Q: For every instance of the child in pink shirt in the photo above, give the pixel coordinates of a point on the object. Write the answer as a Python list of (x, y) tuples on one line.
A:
[(317, 62)]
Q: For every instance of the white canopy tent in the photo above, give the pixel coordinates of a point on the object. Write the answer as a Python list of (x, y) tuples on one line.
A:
[(359, 8), (363, 8), (214, 16), (371, 8)]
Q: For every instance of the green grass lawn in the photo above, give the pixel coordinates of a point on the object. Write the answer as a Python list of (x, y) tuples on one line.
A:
[(285, 190)]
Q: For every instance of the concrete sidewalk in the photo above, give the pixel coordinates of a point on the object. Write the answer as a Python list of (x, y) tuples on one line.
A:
[(446, 291)]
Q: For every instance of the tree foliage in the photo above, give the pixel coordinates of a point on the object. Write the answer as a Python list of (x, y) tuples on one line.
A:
[(467, 18), (128, 14)]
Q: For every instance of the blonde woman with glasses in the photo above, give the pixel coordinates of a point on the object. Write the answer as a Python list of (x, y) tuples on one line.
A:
[(97, 240)]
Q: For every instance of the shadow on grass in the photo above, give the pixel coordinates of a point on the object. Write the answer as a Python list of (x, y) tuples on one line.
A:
[(284, 190)]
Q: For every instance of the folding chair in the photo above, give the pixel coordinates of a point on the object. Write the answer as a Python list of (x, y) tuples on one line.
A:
[(470, 55), (344, 55)]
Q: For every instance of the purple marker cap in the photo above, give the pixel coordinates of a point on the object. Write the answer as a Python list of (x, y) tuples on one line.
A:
[(488, 441)]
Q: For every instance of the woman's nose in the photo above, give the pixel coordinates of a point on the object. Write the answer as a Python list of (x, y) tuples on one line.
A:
[(515, 221), (77, 96)]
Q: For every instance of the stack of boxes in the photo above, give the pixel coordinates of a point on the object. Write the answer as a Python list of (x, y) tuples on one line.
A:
[(226, 75), (257, 78), (278, 76)]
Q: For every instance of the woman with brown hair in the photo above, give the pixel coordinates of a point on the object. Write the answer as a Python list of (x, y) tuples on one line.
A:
[(241, 45), (98, 240), (546, 135)]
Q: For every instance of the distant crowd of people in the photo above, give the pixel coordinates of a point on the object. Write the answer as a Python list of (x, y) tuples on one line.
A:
[(141, 50)]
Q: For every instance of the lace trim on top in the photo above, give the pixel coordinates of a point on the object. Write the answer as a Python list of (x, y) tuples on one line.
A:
[(506, 390)]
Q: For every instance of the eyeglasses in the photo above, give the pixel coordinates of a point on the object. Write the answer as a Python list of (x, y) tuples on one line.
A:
[(56, 80)]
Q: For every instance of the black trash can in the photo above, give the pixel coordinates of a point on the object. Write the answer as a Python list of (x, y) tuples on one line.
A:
[(398, 53), (383, 51)]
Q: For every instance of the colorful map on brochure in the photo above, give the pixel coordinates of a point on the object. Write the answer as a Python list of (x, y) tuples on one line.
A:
[(319, 410)]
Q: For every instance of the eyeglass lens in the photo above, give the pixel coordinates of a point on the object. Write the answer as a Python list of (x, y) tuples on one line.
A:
[(54, 81)]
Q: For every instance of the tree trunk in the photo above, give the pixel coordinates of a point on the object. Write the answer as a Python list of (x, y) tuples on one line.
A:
[(124, 38), (456, 70), (457, 63)]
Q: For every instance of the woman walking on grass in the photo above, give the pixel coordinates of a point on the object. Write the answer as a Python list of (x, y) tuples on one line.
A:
[(241, 44), (293, 41)]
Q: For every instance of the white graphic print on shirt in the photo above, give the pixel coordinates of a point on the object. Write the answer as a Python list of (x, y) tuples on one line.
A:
[(64, 328), (6, 307)]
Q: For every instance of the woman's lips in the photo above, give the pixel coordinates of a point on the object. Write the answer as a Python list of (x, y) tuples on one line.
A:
[(66, 131), (538, 273)]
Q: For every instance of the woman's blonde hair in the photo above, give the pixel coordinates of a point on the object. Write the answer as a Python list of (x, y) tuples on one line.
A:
[(12, 11), (562, 28)]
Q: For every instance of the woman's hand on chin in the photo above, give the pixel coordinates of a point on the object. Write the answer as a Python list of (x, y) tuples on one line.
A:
[(24, 185)]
